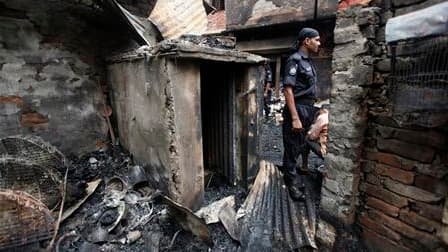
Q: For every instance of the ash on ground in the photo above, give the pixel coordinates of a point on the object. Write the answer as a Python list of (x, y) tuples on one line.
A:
[(118, 221), (144, 226)]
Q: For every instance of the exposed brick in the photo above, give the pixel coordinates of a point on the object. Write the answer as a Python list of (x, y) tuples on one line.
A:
[(390, 159), (412, 151), (12, 99), (373, 179), (434, 212), (383, 206), (418, 221), (377, 242), (427, 137), (407, 164), (32, 118), (415, 244), (411, 191), (405, 177), (431, 184), (385, 195), (216, 21), (368, 166), (421, 137), (366, 221), (426, 239), (347, 3)]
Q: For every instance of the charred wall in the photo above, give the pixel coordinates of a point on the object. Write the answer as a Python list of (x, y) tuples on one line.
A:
[(258, 13), (157, 105), (51, 66)]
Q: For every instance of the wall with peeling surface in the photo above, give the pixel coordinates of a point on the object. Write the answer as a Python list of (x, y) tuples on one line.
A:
[(49, 67), (241, 14), (157, 108)]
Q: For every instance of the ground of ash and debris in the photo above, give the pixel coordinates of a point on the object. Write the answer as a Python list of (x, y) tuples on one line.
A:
[(157, 228), (147, 226)]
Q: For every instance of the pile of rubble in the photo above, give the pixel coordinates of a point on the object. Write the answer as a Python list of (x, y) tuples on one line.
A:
[(106, 203), (109, 204)]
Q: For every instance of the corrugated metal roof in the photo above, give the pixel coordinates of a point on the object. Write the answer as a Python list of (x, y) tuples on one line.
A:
[(177, 17), (272, 220)]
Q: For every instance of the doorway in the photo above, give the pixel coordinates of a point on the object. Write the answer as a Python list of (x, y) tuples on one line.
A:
[(218, 121)]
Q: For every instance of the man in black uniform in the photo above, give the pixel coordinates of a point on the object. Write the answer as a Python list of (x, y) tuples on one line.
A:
[(300, 94)]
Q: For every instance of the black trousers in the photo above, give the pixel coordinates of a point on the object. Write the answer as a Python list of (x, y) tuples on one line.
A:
[(294, 143)]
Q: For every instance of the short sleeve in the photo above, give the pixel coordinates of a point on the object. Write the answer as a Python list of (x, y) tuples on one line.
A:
[(290, 73)]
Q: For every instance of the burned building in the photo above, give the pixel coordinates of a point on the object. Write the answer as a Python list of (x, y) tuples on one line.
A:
[(184, 108), (178, 84)]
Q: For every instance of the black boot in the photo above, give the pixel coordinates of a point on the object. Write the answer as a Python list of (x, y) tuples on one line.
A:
[(295, 193)]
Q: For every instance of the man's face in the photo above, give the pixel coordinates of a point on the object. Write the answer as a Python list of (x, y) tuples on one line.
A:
[(313, 44)]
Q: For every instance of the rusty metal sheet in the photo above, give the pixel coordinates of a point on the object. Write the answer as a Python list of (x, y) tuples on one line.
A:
[(270, 220), (23, 219), (243, 14), (177, 17)]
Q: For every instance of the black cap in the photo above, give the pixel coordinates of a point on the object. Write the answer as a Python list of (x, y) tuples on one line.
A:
[(307, 33)]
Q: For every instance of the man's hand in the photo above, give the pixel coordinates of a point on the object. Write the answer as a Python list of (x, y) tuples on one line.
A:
[(297, 125)]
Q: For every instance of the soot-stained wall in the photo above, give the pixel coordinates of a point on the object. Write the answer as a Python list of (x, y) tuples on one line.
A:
[(51, 70)]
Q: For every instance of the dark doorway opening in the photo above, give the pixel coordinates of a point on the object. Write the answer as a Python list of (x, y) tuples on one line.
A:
[(218, 121)]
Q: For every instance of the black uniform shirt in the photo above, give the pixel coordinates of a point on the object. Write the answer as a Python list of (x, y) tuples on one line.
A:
[(300, 74)]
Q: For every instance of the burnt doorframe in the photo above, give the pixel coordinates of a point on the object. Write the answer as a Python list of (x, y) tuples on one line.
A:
[(218, 80), (244, 83)]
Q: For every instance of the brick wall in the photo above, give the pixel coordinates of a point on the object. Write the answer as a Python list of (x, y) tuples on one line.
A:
[(403, 182), (389, 179), (51, 59)]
